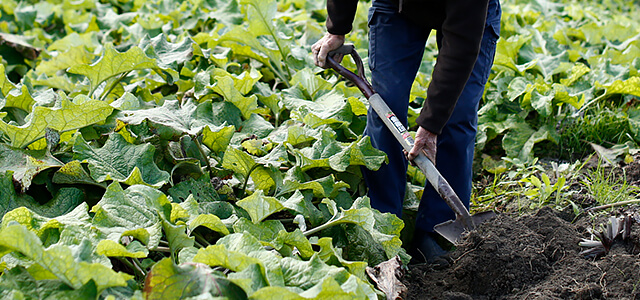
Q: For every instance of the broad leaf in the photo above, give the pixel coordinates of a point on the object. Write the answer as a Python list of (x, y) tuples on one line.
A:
[(58, 260), (25, 164), (260, 206), (120, 161), (111, 64), (135, 212), (65, 116), (169, 281)]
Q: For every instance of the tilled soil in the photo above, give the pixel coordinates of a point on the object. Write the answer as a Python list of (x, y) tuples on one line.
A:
[(531, 257)]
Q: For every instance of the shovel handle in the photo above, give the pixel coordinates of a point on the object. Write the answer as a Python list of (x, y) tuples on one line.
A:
[(396, 127), (358, 79)]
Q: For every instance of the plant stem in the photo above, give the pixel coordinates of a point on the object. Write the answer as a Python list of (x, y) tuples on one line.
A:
[(138, 272), (206, 158), (113, 85), (621, 203), (246, 179)]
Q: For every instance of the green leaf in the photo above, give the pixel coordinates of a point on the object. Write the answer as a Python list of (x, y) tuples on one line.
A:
[(20, 98), (226, 88), (327, 152), (113, 249), (259, 206), (135, 212), (120, 161), (322, 187), (58, 260), (210, 221), (521, 138), (244, 165), (177, 236), (333, 256), (201, 189), (111, 64), (25, 164), (172, 119), (265, 231), (65, 116), (219, 139), (73, 173), (295, 239), (71, 57), (238, 251), (5, 84), (307, 274), (169, 281), (630, 86), (20, 282)]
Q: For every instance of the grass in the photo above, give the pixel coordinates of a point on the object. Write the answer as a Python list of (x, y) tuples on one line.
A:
[(608, 186)]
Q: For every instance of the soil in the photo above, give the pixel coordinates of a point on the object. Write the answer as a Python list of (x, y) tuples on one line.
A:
[(533, 256)]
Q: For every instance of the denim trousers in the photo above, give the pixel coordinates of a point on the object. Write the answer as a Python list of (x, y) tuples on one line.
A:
[(396, 48)]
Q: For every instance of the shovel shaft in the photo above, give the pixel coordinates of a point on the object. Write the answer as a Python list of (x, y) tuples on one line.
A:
[(434, 177), (392, 122)]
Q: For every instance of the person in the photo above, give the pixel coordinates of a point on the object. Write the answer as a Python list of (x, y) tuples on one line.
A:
[(466, 36)]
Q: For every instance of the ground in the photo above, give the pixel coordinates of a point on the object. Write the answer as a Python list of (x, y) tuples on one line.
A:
[(531, 257)]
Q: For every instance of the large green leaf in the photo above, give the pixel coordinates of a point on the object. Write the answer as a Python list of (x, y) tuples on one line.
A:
[(25, 164), (225, 86), (113, 63), (120, 161), (329, 153), (5, 84), (169, 281), (63, 60), (217, 138), (172, 119), (58, 260), (66, 115), (17, 283), (136, 212), (260, 206)]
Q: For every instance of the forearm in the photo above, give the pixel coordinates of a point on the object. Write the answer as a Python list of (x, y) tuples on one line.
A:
[(340, 15)]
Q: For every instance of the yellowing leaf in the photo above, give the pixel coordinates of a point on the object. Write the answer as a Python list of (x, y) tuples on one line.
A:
[(259, 206), (113, 249), (226, 88), (58, 260), (113, 63), (69, 58), (67, 116), (219, 139)]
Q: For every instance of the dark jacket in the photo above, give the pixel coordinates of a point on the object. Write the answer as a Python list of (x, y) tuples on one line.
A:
[(461, 24)]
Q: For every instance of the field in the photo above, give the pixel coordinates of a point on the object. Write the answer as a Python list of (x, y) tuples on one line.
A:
[(171, 149)]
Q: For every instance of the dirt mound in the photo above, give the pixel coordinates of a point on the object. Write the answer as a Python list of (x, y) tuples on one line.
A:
[(530, 257)]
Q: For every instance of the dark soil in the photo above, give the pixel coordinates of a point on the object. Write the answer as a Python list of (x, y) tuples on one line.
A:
[(534, 256)]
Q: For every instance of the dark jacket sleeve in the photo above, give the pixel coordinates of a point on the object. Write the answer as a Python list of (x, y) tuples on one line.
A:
[(340, 15), (462, 32)]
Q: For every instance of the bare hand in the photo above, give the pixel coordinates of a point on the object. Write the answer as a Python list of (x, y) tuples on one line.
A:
[(425, 141), (321, 49)]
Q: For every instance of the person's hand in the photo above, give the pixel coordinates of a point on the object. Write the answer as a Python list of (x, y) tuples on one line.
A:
[(425, 141), (321, 48)]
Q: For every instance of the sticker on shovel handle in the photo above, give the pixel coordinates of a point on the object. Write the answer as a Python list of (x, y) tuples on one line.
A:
[(400, 128)]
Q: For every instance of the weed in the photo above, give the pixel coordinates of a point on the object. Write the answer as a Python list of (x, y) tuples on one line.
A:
[(607, 187)]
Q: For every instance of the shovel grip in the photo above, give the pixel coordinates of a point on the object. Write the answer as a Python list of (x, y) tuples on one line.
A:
[(358, 79)]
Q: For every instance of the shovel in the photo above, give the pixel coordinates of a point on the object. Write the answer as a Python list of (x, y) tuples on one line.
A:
[(451, 230)]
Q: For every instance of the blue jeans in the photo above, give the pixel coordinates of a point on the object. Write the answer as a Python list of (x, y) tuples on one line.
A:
[(396, 48)]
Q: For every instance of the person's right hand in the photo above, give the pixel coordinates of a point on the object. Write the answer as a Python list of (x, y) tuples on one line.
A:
[(326, 44)]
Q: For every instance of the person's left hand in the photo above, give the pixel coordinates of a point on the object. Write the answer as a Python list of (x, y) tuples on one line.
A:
[(425, 141)]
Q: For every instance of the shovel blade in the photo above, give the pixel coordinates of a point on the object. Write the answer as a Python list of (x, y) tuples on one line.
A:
[(452, 230)]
